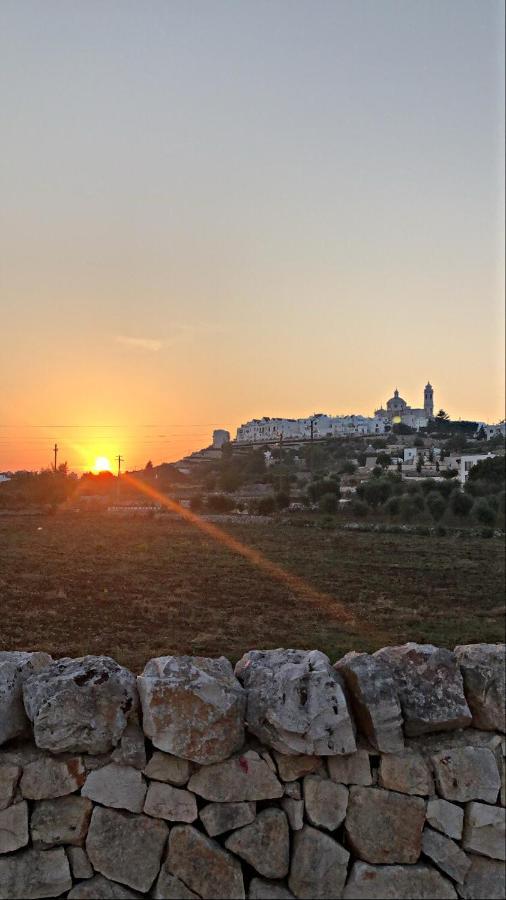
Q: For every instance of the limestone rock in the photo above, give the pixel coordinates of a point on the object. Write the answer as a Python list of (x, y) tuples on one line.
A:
[(245, 777), (483, 668), (268, 890), (374, 700), (126, 847), (294, 810), (325, 802), (318, 869), (164, 767), (168, 887), (220, 817), (352, 769), (292, 767), (296, 703), (448, 818), (430, 687), (121, 787), (407, 773), (100, 888), (293, 790), (131, 750), (163, 801), (384, 826), (13, 827), (20, 752), (396, 883), (15, 668), (49, 777), (80, 865), (264, 844), (9, 777), (467, 773), (61, 821), (485, 880), (446, 854), (203, 865), (34, 873), (193, 707), (484, 830), (70, 693)]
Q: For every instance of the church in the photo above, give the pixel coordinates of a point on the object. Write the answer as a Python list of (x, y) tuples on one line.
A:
[(398, 411)]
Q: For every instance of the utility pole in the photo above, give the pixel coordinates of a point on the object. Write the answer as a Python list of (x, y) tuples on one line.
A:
[(280, 459), (55, 451), (119, 459), (311, 446)]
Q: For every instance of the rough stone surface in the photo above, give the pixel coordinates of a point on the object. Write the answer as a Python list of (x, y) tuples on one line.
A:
[(430, 687), (446, 854), (131, 750), (352, 769), (467, 773), (126, 847), (383, 826), (294, 790), (418, 882), (100, 888), (220, 817), (49, 777), (294, 810), (292, 767), (193, 707), (71, 694), (374, 700), (15, 668), (9, 777), (268, 890), (168, 887), (485, 880), (448, 818), (245, 777), (80, 865), (407, 772), (483, 669), (325, 802), (296, 703), (34, 873), (61, 821), (265, 844), (167, 802), (203, 865), (13, 827), (121, 787), (484, 830), (164, 767), (318, 869)]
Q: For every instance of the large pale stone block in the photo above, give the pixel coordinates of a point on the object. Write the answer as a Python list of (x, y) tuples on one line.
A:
[(164, 767), (131, 750), (318, 867), (374, 700), (15, 668), (446, 817), (13, 828), (163, 801), (430, 687), (126, 847), (193, 707), (384, 826), (397, 883), (446, 854), (294, 810), (34, 873), (9, 777), (220, 817), (121, 787), (49, 777), (325, 802), (484, 830), (245, 777), (80, 865), (352, 769), (203, 865), (61, 821), (292, 767), (483, 668), (168, 887), (467, 773), (485, 880), (407, 773), (265, 844), (296, 703), (69, 694)]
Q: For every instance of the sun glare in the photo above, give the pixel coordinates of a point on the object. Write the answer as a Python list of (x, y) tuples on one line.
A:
[(102, 464)]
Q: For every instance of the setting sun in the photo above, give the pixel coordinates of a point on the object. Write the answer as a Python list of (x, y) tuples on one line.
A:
[(102, 464)]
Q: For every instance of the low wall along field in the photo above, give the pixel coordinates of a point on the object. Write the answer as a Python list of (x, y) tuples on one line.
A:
[(381, 776)]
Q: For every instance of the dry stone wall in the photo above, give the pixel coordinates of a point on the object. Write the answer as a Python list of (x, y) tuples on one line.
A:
[(381, 776)]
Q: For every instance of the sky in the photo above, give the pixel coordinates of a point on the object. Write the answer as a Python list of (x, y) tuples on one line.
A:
[(213, 210)]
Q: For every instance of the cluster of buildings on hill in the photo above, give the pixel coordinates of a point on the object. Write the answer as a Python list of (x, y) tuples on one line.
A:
[(320, 425)]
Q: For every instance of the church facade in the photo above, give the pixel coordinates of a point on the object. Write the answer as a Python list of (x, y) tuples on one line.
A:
[(397, 410)]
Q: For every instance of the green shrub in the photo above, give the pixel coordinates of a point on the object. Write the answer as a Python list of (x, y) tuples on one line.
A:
[(483, 512), (393, 506), (461, 504), (328, 504), (436, 505), (359, 508), (267, 505)]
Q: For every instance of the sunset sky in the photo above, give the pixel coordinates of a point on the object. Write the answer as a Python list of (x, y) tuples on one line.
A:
[(219, 209)]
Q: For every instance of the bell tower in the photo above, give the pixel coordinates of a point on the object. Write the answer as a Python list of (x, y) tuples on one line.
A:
[(428, 400)]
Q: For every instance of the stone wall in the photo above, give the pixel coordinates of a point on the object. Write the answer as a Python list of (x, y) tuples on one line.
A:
[(379, 776)]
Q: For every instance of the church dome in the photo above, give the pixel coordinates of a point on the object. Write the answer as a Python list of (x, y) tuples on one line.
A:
[(396, 403)]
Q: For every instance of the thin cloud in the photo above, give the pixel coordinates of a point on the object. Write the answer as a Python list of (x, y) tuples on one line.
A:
[(139, 343)]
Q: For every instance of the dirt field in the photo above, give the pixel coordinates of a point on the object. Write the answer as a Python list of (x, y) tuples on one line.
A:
[(136, 588)]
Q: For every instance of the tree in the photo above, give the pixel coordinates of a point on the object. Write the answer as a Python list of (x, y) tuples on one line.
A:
[(328, 504), (393, 506), (461, 504), (491, 470), (282, 499), (375, 491), (359, 508), (442, 416), (419, 441), (481, 436), (436, 505), (149, 465), (384, 460), (419, 463), (483, 512), (267, 505)]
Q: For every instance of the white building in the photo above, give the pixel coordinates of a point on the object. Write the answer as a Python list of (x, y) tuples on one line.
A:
[(492, 430), (397, 410), (464, 464), (317, 426)]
